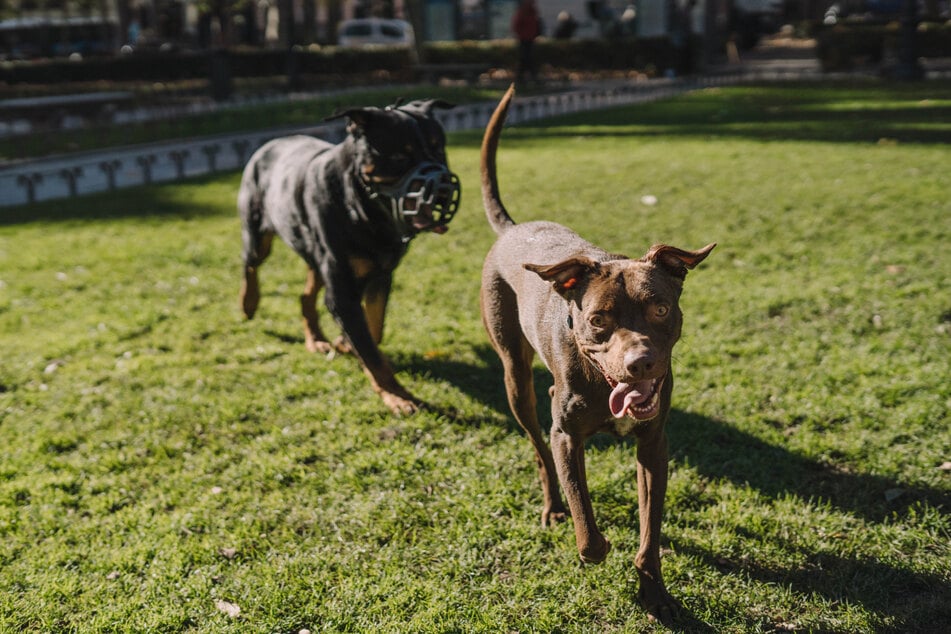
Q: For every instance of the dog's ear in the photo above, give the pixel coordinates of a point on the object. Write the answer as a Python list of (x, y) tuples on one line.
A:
[(359, 119), (358, 116), (424, 107), (567, 274), (677, 261)]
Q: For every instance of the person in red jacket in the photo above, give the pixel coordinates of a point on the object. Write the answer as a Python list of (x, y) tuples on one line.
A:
[(527, 26)]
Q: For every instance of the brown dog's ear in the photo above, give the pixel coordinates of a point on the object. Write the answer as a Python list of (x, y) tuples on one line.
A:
[(565, 275), (675, 260)]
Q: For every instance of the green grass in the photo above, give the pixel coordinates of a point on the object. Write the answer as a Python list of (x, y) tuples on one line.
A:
[(160, 454)]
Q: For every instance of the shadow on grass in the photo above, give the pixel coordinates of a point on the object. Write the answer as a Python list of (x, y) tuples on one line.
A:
[(918, 602), (912, 601), (714, 448), (718, 451)]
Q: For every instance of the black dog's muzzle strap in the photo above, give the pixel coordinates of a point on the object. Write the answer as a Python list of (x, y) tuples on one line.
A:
[(431, 185)]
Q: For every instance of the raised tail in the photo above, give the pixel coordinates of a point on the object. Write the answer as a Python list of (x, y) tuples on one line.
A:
[(499, 218)]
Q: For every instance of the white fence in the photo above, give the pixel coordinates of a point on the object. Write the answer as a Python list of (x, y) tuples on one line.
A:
[(85, 173)]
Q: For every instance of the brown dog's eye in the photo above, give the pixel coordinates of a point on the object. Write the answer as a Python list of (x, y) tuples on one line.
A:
[(661, 310), (598, 321)]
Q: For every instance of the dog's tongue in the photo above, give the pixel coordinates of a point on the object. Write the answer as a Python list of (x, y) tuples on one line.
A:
[(625, 394)]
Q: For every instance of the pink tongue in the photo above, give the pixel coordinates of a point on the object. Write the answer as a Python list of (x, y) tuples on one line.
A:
[(625, 395)]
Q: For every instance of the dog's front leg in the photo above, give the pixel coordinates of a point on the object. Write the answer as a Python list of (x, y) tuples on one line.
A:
[(651, 489), (377, 296), (568, 452), (395, 396), (346, 309), (314, 337)]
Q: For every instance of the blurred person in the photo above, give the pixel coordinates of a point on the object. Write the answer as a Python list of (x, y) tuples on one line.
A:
[(527, 26), (565, 27)]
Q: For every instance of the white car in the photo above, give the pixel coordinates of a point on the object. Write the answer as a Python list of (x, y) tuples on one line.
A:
[(375, 32)]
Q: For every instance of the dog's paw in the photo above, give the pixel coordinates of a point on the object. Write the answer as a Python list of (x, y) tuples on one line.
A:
[(319, 346), (595, 551), (657, 602), (342, 346), (399, 405), (554, 515), (249, 299)]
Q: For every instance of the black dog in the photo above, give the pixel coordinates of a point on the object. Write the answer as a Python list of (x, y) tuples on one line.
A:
[(350, 210)]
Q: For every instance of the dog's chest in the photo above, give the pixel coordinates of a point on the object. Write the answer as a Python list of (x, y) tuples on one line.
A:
[(364, 267), (623, 426)]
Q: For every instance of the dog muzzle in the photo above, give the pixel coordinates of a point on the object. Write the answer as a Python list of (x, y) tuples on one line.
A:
[(425, 199)]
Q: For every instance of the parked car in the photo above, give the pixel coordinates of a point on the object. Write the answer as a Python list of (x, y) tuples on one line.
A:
[(375, 32)]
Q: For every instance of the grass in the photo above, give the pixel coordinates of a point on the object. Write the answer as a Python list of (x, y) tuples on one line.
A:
[(166, 462)]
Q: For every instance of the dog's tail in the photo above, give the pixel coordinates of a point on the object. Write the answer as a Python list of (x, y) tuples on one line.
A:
[(499, 218)]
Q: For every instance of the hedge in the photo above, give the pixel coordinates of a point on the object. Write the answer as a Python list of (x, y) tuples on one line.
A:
[(172, 66), (593, 54), (845, 46)]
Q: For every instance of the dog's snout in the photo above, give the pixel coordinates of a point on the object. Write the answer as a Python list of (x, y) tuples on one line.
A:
[(639, 362)]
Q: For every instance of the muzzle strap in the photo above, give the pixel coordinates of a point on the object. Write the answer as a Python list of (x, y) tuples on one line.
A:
[(425, 198)]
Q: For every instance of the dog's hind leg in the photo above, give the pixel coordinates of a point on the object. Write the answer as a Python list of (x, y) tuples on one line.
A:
[(314, 337), (519, 388), (257, 246), (501, 322)]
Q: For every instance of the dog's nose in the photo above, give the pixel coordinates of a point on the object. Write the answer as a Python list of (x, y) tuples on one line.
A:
[(639, 361)]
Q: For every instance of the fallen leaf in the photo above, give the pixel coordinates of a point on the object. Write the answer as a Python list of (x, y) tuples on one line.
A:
[(228, 553), (112, 576), (390, 433), (228, 608), (649, 200), (946, 466)]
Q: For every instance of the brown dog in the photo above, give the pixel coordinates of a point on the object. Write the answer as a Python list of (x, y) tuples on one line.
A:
[(605, 326)]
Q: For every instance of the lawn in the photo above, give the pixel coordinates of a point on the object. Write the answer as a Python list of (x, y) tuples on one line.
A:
[(169, 467)]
